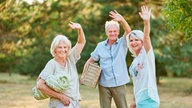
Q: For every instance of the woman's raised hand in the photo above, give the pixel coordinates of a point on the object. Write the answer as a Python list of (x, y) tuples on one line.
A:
[(75, 26), (145, 13)]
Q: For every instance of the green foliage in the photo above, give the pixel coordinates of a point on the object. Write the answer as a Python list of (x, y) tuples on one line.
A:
[(35, 59), (177, 49), (174, 52), (178, 14), (26, 31), (25, 35)]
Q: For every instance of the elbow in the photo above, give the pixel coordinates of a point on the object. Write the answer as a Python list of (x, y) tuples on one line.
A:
[(84, 42), (39, 87), (84, 39), (40, 84)]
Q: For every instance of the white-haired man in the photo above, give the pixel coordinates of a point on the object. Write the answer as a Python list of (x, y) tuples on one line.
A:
[(111, 54)]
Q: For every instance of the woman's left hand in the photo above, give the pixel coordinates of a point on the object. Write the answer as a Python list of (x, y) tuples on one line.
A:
[(145, 13)]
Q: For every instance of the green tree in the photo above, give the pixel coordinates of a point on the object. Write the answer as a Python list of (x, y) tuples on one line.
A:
[(26, 32), (178, 14), (176, 47), (30, 29), (11, 31)]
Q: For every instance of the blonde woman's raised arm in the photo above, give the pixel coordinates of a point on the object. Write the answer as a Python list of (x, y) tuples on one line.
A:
[(145, 15)]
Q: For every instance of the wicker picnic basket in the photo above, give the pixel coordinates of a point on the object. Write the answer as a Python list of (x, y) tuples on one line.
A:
[(91, 75)]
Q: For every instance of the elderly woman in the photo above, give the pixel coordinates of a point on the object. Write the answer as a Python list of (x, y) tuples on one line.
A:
[(63, 63), (142, 69)]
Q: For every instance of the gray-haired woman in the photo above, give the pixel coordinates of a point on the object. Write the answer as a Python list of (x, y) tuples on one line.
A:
[(142, 69), (64, 63)]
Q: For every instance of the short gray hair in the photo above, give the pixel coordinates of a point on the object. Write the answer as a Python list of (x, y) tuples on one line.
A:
[(56, 41), (110, 23)]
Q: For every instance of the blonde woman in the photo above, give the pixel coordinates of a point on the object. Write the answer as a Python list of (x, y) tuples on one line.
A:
[(64, 62), (142, 69)]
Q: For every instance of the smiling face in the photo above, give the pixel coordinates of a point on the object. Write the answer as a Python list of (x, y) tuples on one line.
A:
[(135, 44), (62, 50), (112, 33)]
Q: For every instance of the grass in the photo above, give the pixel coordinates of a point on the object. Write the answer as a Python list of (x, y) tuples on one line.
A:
[(15, 92)]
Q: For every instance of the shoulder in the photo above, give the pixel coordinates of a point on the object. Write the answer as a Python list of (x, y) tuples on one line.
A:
[(122, 39), (73, 55), (149, 54), (73, 49), (51, 62), (102, 43)]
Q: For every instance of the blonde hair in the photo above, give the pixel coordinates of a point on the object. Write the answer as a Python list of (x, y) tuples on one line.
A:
[(56, 41), (110, 23), (138, 34)]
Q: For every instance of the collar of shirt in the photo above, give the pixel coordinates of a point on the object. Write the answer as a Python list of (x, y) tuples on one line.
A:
[(105, 42)]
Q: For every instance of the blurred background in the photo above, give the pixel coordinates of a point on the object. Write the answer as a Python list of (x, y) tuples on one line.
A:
[(27, 28)]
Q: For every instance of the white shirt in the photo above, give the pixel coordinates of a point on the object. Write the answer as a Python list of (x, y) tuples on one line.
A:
[(143, 74), (70, 71)]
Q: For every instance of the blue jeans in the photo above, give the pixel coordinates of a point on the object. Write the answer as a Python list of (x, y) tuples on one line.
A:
[(148, 103)]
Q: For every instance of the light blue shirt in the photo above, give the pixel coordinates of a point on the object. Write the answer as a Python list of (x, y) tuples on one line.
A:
[(112, 60)]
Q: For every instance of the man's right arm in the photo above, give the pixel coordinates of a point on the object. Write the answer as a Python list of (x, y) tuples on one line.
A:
[(118, 17), (90, 60)]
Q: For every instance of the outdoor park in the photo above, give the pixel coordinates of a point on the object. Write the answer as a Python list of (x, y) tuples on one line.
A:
[(16, 92), (28, 26)]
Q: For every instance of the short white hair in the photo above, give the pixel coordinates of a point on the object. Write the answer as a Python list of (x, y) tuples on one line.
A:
[(110, 23), (138, 34), (56, 41)]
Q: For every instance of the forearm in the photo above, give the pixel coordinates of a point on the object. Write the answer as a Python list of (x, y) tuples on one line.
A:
[(133, 98), (90, 60), (126, 27), (147, 40), (146, 29), (48, 91), (133, 104), (81, 36)]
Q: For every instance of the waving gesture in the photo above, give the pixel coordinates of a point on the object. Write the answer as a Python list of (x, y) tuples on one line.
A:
[(145, 13), (116, 16), (119, 18), (75, 26), (81, 37)]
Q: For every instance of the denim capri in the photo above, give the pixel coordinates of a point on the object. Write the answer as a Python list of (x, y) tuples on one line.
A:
[(148, 103)]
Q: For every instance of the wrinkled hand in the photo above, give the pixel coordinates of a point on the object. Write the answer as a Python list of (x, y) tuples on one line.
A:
[(145, 13), (75, 26), (116, 16), (133, 105), (81, 80), (65, 100)]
